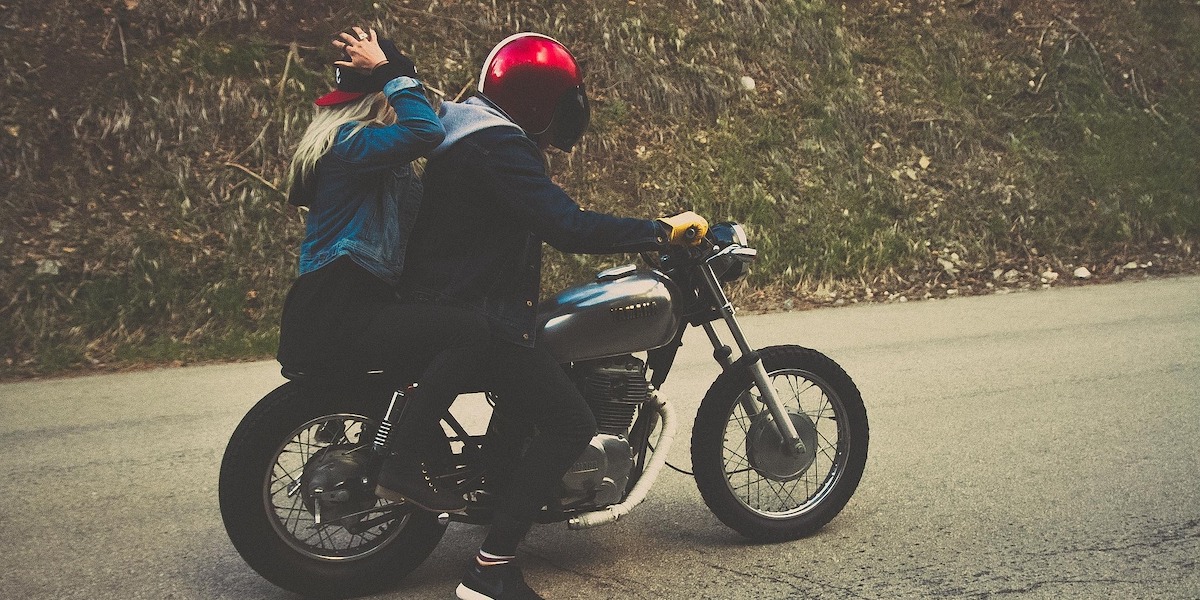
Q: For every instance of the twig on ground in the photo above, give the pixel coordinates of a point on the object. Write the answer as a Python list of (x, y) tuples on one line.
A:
[(256, 176), (121, 36), (1095, 53)]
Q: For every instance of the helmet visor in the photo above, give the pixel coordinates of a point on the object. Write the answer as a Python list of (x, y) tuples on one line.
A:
[(571, 118)]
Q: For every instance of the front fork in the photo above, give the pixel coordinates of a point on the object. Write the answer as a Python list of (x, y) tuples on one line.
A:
[(782, 421)]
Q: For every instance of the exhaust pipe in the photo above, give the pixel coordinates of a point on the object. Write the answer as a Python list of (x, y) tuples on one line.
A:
[(608, 514)]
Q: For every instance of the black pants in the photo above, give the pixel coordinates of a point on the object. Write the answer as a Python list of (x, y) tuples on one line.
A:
[(440, 346), (533, 393)]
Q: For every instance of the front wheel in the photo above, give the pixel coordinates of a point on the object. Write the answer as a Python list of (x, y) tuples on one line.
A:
[(297, 496), (749, 479)]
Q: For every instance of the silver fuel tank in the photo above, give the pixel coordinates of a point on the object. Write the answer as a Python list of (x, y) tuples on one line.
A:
[(625, 310)]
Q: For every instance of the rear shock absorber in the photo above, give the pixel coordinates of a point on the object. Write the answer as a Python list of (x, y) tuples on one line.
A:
[(384, 432)]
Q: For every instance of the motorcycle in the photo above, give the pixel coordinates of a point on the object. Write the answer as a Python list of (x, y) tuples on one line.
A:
[(778, 445)]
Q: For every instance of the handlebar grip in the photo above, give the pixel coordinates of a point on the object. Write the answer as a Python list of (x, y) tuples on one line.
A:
[(684, 228)]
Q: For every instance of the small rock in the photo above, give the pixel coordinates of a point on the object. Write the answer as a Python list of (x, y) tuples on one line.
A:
[(747, 83), (1049, 277), (48, 266), (1083, 273), (788, 304), (948, 266), (1130, 266)]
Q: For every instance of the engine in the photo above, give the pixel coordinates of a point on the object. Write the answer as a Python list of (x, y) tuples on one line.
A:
[(614, 388)]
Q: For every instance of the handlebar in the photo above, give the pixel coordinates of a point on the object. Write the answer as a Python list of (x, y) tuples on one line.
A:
[(723, 242), (708, 251)]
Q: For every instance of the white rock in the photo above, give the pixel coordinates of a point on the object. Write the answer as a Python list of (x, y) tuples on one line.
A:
[(1049, 277), (747, 83), (1130, 265), (48, 266), (1083, 273)]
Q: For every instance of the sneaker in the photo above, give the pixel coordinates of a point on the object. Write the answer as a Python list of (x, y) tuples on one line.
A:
[(497, 582), (405, 479)]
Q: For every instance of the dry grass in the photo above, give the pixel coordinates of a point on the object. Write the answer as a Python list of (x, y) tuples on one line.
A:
[(885, 149)]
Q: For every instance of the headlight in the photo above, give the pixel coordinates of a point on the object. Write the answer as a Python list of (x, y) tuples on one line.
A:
[(726, 233), (729, 268)]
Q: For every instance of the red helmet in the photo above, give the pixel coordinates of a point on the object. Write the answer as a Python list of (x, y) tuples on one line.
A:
[(537, 82)]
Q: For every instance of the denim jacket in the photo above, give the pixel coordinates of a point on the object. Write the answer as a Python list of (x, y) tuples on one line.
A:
[(363, 198)]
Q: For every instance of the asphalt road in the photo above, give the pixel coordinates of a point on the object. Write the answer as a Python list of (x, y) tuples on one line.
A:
[(1033, 445)]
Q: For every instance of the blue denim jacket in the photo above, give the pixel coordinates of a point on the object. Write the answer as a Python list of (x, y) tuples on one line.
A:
[(363, 198)]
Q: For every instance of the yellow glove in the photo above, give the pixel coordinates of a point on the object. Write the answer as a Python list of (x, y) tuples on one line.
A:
[(684, 229)]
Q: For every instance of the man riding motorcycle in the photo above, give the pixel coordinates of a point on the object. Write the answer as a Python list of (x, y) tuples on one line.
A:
[(488, 207)]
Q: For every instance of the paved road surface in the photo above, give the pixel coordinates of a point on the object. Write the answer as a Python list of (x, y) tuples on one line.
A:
[(1031, 445)]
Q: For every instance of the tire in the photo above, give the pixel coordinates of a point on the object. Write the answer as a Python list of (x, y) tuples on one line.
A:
[(275, 532), (747, 481)]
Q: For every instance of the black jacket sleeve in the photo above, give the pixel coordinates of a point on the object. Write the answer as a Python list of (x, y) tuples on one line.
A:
[(514, 168)]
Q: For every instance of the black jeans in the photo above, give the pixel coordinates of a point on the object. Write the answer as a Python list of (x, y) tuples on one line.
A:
[(532, 393), (440, 346)]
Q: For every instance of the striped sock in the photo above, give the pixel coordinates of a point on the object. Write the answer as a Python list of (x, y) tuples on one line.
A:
[(486, 559)]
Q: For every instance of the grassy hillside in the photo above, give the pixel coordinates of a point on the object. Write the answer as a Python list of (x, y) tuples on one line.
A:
[(877, 149)]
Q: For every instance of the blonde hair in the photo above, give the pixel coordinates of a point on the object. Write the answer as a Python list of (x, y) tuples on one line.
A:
[(371, 109)]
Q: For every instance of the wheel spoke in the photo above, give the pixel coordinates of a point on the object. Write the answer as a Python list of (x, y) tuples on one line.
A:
[(743, 421), (826, 443), (734, 453), (289, 474), (781, 490)]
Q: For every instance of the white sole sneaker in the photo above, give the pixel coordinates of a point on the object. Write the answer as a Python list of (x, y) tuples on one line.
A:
[(465, 593)]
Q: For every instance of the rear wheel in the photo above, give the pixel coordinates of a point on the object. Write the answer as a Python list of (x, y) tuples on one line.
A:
[(748, 478), (297, 496)]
